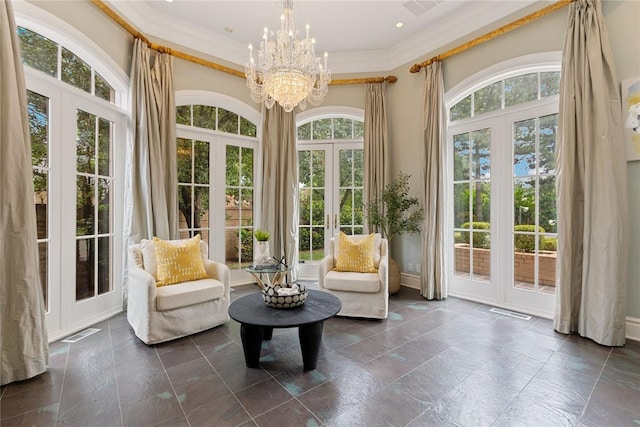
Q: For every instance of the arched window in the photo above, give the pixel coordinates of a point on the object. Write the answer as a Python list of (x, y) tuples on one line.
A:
[(331, 175), (217, 148), (75, 97), (502, 137)]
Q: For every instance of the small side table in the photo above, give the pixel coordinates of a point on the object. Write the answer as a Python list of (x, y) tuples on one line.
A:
[(274, 275), (257, 322)]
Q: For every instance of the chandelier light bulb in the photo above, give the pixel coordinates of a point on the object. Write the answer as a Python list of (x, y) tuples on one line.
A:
[(287, 70)]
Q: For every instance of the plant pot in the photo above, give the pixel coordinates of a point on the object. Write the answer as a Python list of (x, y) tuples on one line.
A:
[(262, 253), (394, 276)]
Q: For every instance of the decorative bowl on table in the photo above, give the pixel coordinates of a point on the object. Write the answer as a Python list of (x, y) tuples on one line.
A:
[(274, 295)]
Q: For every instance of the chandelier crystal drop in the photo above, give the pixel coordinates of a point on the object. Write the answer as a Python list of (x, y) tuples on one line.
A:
[(287, 71)]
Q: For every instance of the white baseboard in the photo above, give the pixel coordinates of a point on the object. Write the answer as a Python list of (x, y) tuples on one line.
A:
[(410, 280), (76, 327), (632, 327)]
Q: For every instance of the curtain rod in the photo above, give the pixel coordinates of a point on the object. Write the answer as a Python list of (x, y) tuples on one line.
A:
[(493, 34), (100, 4)]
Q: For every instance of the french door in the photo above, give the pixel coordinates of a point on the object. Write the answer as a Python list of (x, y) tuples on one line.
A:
[(502, 217), (216, 191), (77, 152), (331, 194)]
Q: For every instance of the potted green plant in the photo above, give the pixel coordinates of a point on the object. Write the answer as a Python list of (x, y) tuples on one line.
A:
[(262, 254), (394, 213)]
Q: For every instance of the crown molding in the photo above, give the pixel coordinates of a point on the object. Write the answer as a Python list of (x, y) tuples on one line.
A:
[(452, 21)]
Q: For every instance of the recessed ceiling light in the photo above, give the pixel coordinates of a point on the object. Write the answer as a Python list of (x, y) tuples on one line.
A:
[(399, 24), (169, 1)]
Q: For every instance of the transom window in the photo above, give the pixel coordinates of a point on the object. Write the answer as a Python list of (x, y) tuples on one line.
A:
[(331, 128), (507, 93), (55, 60), (215, 118)]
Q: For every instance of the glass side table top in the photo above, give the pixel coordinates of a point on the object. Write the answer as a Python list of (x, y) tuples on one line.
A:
[(267, 275)]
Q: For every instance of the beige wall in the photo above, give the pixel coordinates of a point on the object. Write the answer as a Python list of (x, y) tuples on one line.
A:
[(404, 97)]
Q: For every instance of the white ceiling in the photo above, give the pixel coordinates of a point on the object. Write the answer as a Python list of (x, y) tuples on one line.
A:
[(360, 35)]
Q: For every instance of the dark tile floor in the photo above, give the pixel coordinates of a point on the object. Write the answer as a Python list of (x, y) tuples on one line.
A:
[(440, 363)]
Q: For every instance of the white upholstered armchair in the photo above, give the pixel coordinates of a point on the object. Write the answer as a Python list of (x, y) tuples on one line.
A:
[(159, 314), (361, 294)]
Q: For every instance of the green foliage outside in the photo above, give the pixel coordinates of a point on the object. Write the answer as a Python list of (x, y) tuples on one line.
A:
[(527, 242), (522, 242), (393, 211), (480, 239)]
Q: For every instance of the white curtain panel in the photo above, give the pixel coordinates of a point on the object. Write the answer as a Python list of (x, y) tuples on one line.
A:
[(376, 143), (24, 348), (593, 212), (279, 165), (151, 204), (434, 280)]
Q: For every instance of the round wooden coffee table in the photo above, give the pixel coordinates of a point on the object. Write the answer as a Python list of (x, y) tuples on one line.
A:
[(257, 321)]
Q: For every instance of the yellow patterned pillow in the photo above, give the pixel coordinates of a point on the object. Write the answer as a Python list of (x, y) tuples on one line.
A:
[(356, 256), (178, 262)]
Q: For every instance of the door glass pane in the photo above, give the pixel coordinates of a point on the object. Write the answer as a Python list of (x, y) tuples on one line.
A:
[(43, 254), (200, 208), (38, 113), (239, 206), (85, 142), (104, 202), (534, 204), (472, 204), (317, 168), (85, 206), (481, 256), (461, 204), (85, 268), (350, 192), (462, 257), (93, 205), (548, 136), (200, 162), (481, 155), (104, 147), (481, 200), (461, 150), (524, 148), (104, 265), (312, 196)]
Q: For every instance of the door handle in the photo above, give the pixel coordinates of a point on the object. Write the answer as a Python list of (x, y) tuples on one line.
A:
[(335, 221), (328, 223)]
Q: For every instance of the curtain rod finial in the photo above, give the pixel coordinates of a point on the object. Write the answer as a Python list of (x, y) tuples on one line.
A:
[(391, 79)]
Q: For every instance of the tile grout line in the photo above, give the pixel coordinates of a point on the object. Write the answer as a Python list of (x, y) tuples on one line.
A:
[(223, 382), (64, 375), (115, 374), (175, 394), (586, 403)]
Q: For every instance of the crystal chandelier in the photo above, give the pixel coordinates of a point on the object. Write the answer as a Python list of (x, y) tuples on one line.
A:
[(287, 71)]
